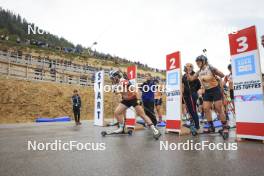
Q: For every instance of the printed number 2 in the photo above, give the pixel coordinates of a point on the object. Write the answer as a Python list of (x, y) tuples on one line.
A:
[(172, 63), (242, 43)]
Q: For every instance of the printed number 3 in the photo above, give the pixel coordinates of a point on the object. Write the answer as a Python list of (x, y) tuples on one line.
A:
[(242, 43), (172, 64)]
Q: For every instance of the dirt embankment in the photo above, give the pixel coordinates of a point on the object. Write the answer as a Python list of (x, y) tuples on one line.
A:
[(24, 101)]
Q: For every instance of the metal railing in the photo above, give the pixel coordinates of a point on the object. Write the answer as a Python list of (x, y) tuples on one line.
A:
[(46, 69)]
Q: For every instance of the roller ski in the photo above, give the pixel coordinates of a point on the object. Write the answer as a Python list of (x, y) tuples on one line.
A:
[(119, 131)]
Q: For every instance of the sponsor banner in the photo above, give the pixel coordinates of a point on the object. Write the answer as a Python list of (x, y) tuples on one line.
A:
[(246, 65), (247, 79), (244, 98), (173, 89), (99, 99), (130, 113), (247, 85)]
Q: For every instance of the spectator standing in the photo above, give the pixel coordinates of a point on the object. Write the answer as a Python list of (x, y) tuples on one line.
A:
[(76, 106)]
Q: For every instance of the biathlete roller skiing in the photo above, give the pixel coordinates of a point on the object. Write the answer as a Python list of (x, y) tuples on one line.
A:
[(190, 96), (130, 98), (210, 78), (229, 93)]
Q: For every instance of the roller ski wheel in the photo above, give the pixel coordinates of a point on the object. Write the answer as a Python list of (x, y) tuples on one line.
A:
[(194, 133), (130, 132), (103, 133), (225, 133)]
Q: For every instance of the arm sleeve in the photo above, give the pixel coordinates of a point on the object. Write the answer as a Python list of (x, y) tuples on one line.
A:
[(216, 72), (219, 73), (213, 69)]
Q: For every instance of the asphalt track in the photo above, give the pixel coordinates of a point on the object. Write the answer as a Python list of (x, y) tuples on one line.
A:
[(136, 155)]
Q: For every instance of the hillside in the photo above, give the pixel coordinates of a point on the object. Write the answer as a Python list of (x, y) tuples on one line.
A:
[(14, 32), (23, 101)]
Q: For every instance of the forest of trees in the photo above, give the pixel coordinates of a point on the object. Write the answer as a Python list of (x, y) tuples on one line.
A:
[(15, 27)]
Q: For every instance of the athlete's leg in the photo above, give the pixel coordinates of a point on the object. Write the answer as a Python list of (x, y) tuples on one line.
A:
[(158, 103), (191, 107), (119, 113), (149, 111), (219, 109), (140, 112), (207, 105), (159, 111)]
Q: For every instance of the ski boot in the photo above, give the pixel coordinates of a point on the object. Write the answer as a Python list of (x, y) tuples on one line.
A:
[(193, 129), (225, 132), (119, 130), (156, 132)]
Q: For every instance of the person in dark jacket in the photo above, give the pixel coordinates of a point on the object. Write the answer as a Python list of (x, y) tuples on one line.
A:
[(190, 94), (148, 90), (76, 106)]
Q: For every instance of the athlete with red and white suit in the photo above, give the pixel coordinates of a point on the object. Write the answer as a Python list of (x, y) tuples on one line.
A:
[(130, 97)]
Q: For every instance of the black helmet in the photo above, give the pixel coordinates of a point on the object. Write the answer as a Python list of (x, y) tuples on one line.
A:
[(115, 73), (202, 58), (229, 66)]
